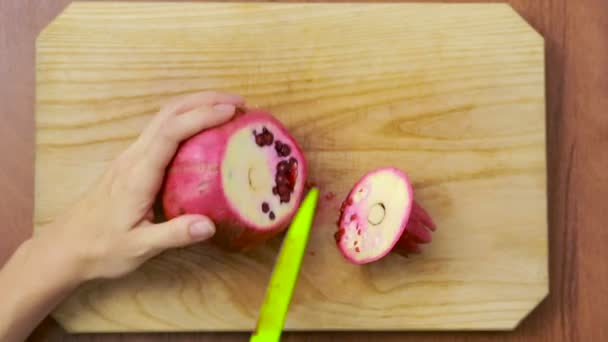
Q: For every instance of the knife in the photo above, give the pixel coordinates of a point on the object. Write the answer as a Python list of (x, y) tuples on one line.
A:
[(285, 273)]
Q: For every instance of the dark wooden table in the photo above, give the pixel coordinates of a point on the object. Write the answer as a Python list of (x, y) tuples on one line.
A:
[(576, 36)]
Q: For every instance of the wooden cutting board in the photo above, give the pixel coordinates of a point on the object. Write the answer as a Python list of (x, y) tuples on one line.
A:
[(453, 94)]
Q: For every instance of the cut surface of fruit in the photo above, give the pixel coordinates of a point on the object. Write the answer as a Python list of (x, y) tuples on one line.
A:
[(234, 174), (248, 176), (380, 215), (374, 215)]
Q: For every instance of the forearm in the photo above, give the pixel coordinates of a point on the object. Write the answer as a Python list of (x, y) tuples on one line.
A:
[(35, 279), (107, 233)]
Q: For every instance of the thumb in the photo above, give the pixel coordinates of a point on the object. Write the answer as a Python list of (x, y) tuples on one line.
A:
[(178, 232)]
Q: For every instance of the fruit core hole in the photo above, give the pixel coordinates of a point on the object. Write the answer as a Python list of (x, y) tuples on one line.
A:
[(376, 214), (251, 176)]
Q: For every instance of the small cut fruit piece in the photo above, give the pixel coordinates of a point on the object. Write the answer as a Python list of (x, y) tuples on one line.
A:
[(379, 215)]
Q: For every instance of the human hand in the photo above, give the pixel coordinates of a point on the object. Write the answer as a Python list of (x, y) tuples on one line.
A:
[(108, 233)]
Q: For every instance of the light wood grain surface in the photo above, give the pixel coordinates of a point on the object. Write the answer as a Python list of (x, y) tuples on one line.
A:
[(576, 82), (453, 94)]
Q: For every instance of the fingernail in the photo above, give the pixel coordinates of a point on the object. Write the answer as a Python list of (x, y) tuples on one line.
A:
[(201, 230), (224, 108)]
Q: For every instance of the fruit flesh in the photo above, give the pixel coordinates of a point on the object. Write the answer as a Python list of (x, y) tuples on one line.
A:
[(248, 176), (379, 216), (228, 173)]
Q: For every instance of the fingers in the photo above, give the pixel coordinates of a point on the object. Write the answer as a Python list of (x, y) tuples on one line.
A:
[(195, 120), (183, 104), (191, 101), (178, 232), (162, 147), (184, 117)]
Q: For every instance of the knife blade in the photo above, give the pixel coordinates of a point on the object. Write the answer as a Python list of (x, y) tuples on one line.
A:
[(285, 273)]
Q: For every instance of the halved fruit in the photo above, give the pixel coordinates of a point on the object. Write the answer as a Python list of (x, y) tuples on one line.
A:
[(247, 175)]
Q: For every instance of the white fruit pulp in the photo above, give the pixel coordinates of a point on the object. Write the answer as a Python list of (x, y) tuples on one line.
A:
[(382, 199), (248, 176)]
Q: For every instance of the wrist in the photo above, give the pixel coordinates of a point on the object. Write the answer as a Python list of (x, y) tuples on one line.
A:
[(33, 281), (60, 261)]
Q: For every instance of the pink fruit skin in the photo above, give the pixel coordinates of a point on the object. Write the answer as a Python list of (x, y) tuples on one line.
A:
[(416, 232), (413, 230), (193, 183)]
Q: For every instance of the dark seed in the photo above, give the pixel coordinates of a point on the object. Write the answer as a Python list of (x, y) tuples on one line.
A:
[(293, 164), (285, 198), (280, 179), (274, 190), (283, 190), (282, 167), (285, 151), (265, 207), (271, 215), (357, 249), (277, 146), (268, 138), (291, 178), (259, 140)]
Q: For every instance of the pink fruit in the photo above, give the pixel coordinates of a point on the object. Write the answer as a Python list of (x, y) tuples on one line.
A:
[(380, 215), (231, 174)]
